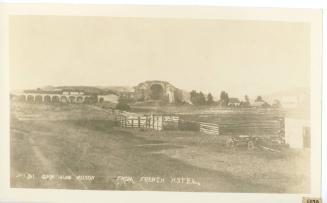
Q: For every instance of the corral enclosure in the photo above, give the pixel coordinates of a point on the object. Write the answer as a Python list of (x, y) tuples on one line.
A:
[(231, 121), (257, 122)]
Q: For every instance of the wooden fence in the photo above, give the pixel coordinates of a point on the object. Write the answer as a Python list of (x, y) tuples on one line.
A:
[(259, 125), (156, 122), (244, 123), (209, 128)]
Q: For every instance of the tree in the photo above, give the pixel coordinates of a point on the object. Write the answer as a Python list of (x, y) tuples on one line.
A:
[(178, 97), (210, 100), (227, 98), (259, 99), (194, 97), (198, 98), (247, 101), (222, 95), (276, 104), (122, 105), (224, 99), (202, 99)]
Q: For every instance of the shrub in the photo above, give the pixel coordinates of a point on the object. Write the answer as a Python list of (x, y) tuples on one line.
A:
[(123, 106)]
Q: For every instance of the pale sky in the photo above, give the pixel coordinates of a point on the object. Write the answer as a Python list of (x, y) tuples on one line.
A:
[(240, 57)]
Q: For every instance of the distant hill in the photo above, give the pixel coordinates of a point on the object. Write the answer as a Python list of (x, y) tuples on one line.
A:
[(117, 88), (102, 90), (87, 89), (302, 95), (294, 92)]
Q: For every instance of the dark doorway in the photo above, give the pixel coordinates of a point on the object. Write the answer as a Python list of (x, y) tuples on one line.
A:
[(38, 99), (55, 99), (30, 98), (79, 100), (156, 92), (72, 99), (47, 99)]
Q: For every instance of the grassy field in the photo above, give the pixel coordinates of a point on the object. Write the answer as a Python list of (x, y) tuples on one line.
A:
[(50, 143)]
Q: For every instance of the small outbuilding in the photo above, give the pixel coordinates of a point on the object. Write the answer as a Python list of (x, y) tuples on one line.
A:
[(234, 102), (112, 98)]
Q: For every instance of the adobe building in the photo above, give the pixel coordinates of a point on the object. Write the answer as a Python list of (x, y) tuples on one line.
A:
[(156, 90)]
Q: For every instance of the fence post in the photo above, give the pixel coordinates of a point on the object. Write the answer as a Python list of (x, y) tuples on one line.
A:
[(139, 122), (152, 121), (178, 123), (147, 121)]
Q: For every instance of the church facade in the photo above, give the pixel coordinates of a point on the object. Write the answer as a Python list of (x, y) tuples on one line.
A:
[(163, 91)]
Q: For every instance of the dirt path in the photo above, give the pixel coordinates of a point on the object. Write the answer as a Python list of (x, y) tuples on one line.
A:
[(47, 165), (98, 148), (114, 152)]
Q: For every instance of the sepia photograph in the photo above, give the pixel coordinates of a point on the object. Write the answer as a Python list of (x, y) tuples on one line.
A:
[(141, 103)]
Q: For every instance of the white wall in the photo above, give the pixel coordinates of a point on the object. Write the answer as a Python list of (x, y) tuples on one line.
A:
[(294, 131)]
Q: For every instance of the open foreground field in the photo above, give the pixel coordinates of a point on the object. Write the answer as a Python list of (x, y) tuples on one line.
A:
[(80, 147)]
